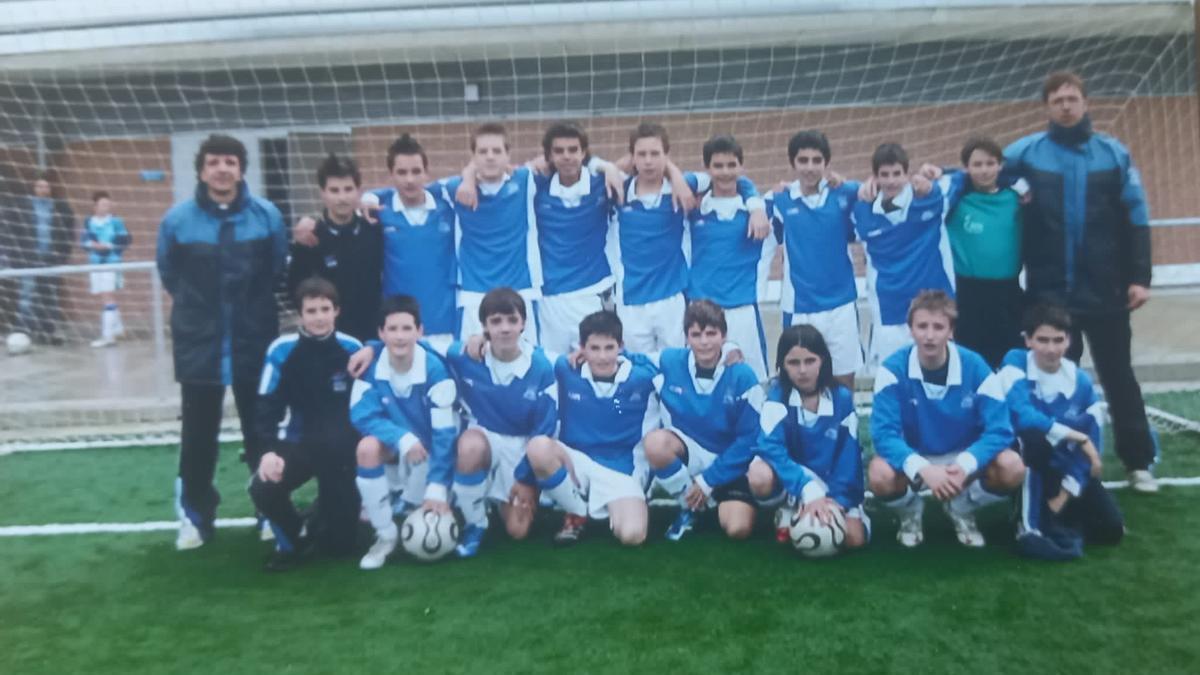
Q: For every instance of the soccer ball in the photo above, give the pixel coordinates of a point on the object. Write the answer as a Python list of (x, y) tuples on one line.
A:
[(814, 540), (17, 343), (429, 535)]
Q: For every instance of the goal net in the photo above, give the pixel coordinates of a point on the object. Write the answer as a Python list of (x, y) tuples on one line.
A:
[(116, 99)]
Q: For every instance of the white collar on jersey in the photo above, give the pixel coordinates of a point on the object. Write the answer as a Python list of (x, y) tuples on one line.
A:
[(813, 201), (402, 381), (399, 207), (902, 201), (824, 407), (709, 385), (572, 195), (605, 389), (725, 207), (650, 201), (953, 372), (1050, 384), (493, 189), (504, 372)]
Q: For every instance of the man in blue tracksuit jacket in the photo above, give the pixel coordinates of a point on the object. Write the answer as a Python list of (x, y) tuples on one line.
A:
[(220, 256), (1087, 246)]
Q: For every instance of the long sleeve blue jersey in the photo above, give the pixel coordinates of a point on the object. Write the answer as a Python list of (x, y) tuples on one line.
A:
[(524, 404), (607, 421), (419, 257), (1051, 404), (498, 240), (814, 455), (818, 274), (912, 418), (111, 231)]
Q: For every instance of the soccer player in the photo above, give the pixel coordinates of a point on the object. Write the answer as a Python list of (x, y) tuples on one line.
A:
[(813, 218), (907, 251), (940, 421), (1057, 417), (510, 396), (305, 374), (220, 256), (404, 407), (730, 258), (348, 251), (1088, 248), (105, 239), (710, 423), (809, 435), (606, 405)]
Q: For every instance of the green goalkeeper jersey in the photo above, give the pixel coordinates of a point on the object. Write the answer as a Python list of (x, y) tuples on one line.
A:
[(985, 235)]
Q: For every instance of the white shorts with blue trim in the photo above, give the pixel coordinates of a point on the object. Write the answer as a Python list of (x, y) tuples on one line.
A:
[(654, 326), (601, 485), (105, 282), (839, 327), (506, 452), (559, 316)]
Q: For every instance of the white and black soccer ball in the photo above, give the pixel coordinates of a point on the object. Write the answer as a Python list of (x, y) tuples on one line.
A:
[(17, 343), (814, 540), (429, 535)]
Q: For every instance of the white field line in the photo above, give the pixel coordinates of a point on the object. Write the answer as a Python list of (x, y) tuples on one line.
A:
[(55, 529)]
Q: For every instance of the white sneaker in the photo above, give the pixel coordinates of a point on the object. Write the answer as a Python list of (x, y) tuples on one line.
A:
[(103, 342), (378, 554), (189, 536), (1143, 481), (965, 528), (265, 533), (912, 529)]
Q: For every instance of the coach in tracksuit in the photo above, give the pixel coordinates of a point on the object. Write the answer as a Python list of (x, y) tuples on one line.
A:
[(1087, 246), (220, 256)]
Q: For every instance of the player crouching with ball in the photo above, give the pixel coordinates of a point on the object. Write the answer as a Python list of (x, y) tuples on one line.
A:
[(940, 421)]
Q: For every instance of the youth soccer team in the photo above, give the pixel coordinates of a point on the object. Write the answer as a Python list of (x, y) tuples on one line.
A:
[(580, 333)]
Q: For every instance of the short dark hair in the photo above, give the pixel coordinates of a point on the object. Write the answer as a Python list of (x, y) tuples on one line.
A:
[(501, 300), (221, 144), (933, 301), (489, 129), (723, 143), (399, 304), (983, 143), (338, 167), (603, 323), (650, 130), (1059, 79), (100, 194), (889, 153), (705, 313), (563, 130), (405, 145), (316, 287), (1046, 314), (808, 140), (808, 337)]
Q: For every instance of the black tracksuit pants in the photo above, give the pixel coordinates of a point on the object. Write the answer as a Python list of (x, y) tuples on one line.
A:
[(202, 411), (333, 465)]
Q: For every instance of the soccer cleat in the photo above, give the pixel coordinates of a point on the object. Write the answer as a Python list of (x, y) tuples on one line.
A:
[(1143, 481), (965, 528), (571, 530), (265, 533), (682, 525), (378, 554), (472, 539), (912, 529), (103, 342), (189, 536)]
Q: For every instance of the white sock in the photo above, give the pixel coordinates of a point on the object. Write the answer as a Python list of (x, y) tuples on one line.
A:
[(395, 480), (674, 478), (973, 498), (563, 490), (470, 493), (376, 501), (414, 484), (909, 503), (108, 322)]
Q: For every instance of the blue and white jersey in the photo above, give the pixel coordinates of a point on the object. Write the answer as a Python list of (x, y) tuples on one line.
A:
[(1050, 403), (907, 250), (572, 227), (498, 240), (516, 398), (726, 262), (912, 418), (814, 454), (419, 256), (816, 230), (108, 230), (721, 414), (402, 409), (607, 420)]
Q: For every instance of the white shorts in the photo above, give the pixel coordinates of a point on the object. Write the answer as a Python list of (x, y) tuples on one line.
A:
[(105, 282), (559, 317), (746, 330), (654, 326), (887, 340), (698, 457), (839, 327), (507, 452), (469, 302), (601, 485)]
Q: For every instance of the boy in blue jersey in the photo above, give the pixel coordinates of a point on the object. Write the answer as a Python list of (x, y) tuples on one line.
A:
[(1058, 420), (730, 259), (305, 374), (606, 405), (907, 250), (940, 421), (404, 407), (510, 395), (809, 436), (812, 216), (710, 423), (105, 238)]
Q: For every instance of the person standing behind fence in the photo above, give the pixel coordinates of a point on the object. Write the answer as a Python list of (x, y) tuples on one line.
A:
[(43, 236), (105, 239), (1087, 246), (220, 256)]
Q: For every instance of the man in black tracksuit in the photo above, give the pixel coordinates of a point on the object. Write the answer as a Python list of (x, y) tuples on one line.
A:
[(305, 373), (348, 252), (1087, 247)]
